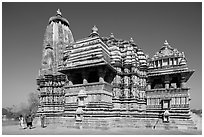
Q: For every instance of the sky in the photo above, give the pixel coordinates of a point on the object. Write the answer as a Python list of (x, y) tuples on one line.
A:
[(149, 24)]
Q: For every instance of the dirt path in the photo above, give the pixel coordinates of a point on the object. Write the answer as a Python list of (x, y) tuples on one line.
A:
[(14, 130), (197, 120)]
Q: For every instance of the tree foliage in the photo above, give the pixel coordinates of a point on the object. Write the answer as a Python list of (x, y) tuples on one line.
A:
[(33, 102), (24, 108)]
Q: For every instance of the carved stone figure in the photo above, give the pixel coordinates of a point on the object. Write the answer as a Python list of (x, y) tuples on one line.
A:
[(126, 80), (126, 92), (133, 91)]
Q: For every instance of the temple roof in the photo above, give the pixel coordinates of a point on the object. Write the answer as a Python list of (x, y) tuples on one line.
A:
[(59, 17), (186, 72), (167, 51)]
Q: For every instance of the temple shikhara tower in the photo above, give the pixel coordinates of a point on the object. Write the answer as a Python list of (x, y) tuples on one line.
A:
[(108, 82)]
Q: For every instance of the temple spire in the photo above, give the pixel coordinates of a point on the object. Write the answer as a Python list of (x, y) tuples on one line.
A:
[(131, 40), (111, 35), (166, 42), (59, 12), (94, 31)]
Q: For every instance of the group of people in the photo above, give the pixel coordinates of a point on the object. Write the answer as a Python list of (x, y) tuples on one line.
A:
[(27, 122)]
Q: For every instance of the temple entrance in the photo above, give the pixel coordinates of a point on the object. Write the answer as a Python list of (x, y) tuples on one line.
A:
[(166, 107), (166, 104)]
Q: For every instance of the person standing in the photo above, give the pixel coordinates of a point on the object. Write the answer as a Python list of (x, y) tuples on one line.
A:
[(21, 121), (29, 121), (42, 118)]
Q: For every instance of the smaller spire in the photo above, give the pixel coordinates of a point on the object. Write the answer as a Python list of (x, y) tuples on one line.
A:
[(111, 35), (131, 40), (94, 31), (59, 12), (166, 42)]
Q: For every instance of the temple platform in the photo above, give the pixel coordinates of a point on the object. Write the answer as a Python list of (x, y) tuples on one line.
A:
[(119, 122)]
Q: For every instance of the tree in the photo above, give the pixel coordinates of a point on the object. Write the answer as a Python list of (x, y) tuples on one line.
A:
[(24, 108), (33, 103), (4, 111)]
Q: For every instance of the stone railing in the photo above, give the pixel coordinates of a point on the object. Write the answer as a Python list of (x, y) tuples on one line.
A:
[(168, 90), (51, 94), (74, 89)]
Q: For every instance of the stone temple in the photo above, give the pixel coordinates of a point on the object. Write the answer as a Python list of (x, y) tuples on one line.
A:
[(104, 82)]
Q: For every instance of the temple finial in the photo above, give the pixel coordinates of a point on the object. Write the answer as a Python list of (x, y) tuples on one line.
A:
[(166, 42), (131, 40), (95, 29), (59, 12), (111, 35)]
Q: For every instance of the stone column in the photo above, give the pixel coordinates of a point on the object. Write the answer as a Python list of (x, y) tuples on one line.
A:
[(69, 79), (172, 61), (158, 63), (148, 85), (167, 84), (169, 60), (167, 81), (84, 77), (183, 83), (101, 73)]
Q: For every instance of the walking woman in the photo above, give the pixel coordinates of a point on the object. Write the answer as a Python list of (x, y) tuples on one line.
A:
[(21, 121)]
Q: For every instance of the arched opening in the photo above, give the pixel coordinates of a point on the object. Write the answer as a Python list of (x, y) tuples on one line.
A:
[(93, 77)]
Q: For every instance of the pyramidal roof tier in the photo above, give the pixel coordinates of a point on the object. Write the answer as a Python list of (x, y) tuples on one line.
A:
[(167, 51), (58, 17)]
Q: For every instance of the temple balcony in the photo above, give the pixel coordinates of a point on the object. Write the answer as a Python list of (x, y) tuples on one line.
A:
[(74, 89), (53, 103), (176, 90), (172, 107), (51, 94), (167, 67)]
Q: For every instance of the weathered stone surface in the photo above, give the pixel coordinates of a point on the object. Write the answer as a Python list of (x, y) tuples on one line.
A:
[(122, 86)]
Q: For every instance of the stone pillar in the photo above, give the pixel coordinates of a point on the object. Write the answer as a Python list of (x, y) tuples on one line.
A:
[(169, 60), (158, 63), (84, 77), (69, 79), (167, 84), (167, 80), (148, 86), (183, 83), (172, 61), (101, 73)]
